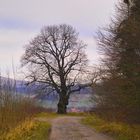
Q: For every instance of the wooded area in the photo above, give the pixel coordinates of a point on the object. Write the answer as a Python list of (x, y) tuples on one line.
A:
[(119, 90)]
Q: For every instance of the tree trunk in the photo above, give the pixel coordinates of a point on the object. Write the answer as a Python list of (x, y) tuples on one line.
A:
[(62, 105)]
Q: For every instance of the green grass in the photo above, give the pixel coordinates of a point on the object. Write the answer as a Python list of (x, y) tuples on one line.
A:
[(29, 130), (79, 114), (46, 115), (120, 131), (54, 115)]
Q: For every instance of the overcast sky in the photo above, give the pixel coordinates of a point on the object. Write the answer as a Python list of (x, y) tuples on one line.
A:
[(21, 20)]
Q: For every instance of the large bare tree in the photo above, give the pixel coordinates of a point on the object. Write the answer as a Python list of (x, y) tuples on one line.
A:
[(56, 57)]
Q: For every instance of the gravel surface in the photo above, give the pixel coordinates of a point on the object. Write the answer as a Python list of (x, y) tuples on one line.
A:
[(70, 128)]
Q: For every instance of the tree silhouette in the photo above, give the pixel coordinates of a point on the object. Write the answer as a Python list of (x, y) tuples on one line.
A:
[(56, 58)]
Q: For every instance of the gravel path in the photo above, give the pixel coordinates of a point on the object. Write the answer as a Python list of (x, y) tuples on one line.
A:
[(70, 128)]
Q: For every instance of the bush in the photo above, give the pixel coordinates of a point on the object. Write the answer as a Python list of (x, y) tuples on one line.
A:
[(14, 108)]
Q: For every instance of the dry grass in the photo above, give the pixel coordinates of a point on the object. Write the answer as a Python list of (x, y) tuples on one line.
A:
[(14, 111), (28, 130), (121, 131), (14, 108)]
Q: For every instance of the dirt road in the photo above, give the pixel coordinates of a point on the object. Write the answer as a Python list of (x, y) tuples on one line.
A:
[(70, 128)]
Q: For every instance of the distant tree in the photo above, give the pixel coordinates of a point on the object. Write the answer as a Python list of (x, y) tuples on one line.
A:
[(56, 58), (120, 45)]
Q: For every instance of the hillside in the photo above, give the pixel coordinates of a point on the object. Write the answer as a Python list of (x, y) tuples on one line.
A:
[(79, 101)]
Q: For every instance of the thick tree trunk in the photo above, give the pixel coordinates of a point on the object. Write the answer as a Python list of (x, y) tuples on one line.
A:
[(62, 105)]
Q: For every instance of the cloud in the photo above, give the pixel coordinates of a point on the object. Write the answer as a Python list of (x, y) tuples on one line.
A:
[(11, 46), (16, 24), (78, 12), (92, 50), (21, 20)]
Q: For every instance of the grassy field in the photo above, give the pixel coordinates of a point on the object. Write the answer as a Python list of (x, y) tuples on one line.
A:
[(120, 131)]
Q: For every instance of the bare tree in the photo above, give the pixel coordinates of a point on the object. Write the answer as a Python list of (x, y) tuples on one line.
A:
[(56, 58)]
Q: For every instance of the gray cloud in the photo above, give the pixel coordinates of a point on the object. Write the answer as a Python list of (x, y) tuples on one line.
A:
[(21, 20), (79, 12)]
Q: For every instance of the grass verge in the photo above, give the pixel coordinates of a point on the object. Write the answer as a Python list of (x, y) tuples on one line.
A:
[(51, 115), (29, 130), (120, 131)]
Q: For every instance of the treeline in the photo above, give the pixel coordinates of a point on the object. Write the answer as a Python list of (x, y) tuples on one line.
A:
[(119, 87)]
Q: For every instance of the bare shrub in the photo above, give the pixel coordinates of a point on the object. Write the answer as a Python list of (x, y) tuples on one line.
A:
[(14, 108)]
